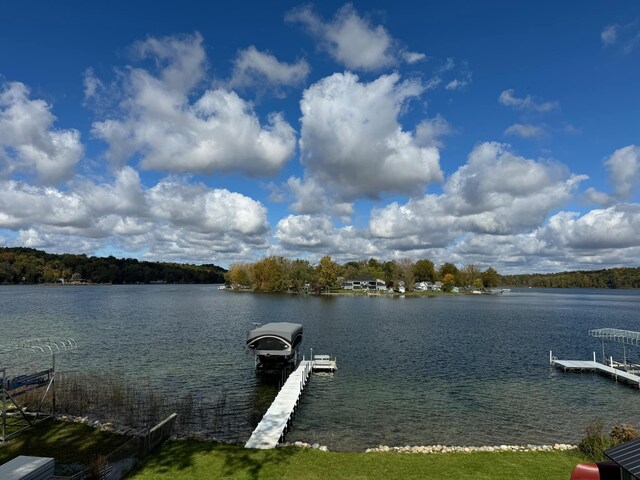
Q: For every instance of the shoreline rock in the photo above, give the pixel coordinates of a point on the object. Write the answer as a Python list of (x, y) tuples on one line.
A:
[(472, 449), (424, 449)]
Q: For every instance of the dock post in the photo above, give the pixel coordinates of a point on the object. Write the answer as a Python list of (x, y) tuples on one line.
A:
[(594, 356), (550, 357), (611, 361)]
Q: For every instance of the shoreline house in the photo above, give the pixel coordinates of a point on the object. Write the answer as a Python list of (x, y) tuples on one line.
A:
[(365, 283), (428, 286)]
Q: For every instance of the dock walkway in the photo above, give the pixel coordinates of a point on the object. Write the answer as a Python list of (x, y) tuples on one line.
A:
[(597, 367), (271, 428)]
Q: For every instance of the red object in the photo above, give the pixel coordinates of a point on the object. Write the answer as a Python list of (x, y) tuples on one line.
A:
[(586, 471)]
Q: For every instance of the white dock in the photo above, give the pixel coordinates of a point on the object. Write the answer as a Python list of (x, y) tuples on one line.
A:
[(592, 365), (324, 363), (271, 428)]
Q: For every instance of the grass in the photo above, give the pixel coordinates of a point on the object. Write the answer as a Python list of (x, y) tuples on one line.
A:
[(178, 460), (71, 443), (68, 443)]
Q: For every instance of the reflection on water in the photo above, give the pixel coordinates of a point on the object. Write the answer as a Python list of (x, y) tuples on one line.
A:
[(456, 370)]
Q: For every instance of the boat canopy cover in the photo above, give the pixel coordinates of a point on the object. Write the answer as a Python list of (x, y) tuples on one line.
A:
[(285, 330), (617, 335)]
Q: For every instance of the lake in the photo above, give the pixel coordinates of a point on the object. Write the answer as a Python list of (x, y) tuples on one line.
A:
[(465, 370)]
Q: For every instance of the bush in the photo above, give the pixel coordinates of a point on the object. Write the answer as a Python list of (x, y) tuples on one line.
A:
[(623, 433), (595, 442)]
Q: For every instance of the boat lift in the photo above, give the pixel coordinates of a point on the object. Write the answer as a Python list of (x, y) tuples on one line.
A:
[(625, 337), (22, 372)]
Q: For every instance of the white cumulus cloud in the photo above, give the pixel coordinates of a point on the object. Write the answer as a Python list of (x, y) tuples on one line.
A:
[(170, 220), (316, 233), (29, 142), (496, 193), (218, 131), (352, 141), (353, 40), (311, 197), (624, 170), (429, 132), (615, 227)]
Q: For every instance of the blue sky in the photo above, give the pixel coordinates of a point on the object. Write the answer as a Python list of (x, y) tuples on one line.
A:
[(495, 133)]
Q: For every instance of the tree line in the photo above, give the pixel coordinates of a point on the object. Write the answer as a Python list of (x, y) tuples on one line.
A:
[(608, 278), (28, 265), (278, 274)]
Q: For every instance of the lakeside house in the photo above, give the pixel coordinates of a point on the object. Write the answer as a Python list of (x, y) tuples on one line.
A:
[(428, 286), (365, 283)]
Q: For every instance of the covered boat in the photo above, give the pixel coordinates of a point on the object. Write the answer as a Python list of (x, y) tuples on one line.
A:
[(275, 343)]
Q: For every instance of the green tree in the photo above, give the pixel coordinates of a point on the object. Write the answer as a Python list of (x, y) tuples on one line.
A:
[(374, 268), (490, 278), (390, 270), (404, 268), (424, 271), (300, 273)]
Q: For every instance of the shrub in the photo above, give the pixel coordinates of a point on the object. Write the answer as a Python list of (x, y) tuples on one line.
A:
[(623, 433), (595, 442)]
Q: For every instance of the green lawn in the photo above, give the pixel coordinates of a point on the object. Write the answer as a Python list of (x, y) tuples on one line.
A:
[(178, 460), (68, 443)]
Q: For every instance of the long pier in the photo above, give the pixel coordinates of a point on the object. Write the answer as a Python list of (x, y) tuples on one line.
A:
[(592, 365), (271, 428)]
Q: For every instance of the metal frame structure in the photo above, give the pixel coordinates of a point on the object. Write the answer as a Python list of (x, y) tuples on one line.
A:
[(626, 337), (19, 375)]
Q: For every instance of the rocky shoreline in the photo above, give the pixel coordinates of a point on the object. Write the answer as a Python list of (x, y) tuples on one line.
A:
[(446, 448), (486, 448), (425, 449)]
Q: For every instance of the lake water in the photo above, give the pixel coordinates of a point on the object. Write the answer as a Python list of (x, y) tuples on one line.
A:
[(467, 370)]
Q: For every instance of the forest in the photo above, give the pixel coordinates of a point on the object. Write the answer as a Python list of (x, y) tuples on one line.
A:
[(279, 274), (608, 278), (28, 265)]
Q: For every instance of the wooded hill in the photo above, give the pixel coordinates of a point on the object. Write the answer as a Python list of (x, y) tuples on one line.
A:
[(609, 278), (27, 265)]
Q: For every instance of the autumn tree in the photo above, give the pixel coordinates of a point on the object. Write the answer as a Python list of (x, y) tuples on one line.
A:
[(448, 282), (469, 274), (448, 268), (327, 272), (239, 274), (269, 275)]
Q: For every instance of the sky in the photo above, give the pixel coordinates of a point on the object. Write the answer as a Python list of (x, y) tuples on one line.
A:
[(495, 133)]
